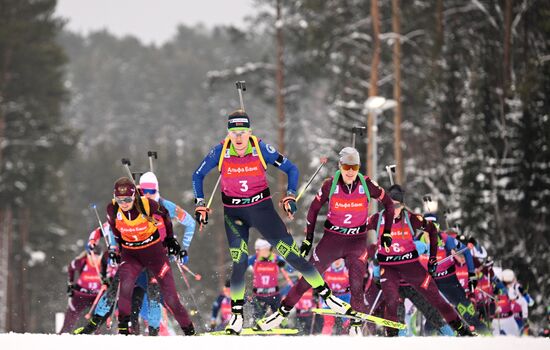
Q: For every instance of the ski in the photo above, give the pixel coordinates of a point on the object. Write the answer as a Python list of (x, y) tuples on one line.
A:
[(252, 331), (362, 316)]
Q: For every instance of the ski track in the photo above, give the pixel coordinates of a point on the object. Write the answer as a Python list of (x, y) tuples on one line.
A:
[(14, 341)]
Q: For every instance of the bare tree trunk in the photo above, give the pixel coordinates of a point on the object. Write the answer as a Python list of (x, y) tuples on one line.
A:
[(23, 223), (396, 28), (507, 44), (280, 93), (373, 87)]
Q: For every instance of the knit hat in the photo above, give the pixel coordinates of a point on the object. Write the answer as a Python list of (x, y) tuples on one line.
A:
[(124, 187), (148, 181), (349, 156), (397, 193), (261, 244), (238, 120)]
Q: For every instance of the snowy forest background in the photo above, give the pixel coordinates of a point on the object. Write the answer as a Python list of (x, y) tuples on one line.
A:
[(475, 95)]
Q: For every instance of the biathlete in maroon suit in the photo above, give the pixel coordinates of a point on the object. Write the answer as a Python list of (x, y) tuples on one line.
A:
[(399, 260), (83, 292), (266, 267), (304, 313), (242, 160), (136, 222), (348, 194), (337, 277)]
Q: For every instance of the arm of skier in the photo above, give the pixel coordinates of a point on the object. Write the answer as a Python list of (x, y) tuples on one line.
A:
[(320, 199), (378, 193), (184, 219), (419, 223), (275, 158), (209, 162)]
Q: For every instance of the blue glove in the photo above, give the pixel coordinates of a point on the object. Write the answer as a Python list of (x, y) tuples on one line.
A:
[(184, 257), (89, 247)]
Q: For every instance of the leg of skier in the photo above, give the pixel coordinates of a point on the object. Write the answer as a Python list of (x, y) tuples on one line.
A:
[(128, 272), (237, 231)]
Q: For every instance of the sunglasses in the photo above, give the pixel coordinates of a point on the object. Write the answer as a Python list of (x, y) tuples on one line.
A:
[(123, 200), (148, 191), (347, 167), (238, 133)]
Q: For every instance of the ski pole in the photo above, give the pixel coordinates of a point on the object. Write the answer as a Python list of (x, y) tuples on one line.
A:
[(152, 155), (197, 276), (452, 255), (375, 302), (210, 199), (96, 300), (190, 292), (126, 164), (323, 162)]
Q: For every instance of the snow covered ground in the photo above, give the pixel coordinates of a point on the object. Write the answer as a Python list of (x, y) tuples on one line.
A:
[(13, 341)]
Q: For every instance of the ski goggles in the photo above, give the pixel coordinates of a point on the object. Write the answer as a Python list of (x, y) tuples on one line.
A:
[(124, 200), (149, 191), (347, 167)]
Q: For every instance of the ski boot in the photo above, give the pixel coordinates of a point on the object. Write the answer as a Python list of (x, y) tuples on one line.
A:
[(356, 328), (125, 326), (462, 329), (153, 331), (189, 330), (335, 304), (235, 325), (274, 320), (92, 326)]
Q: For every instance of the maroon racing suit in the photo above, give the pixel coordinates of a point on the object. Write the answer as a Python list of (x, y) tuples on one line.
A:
[(400, 263), (84, 290), (142, 248), (345, 233)]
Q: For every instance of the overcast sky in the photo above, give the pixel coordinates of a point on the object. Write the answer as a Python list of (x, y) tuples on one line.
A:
[(150, 20)]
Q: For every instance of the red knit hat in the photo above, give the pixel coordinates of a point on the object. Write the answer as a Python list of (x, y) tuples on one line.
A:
[(124, 187)]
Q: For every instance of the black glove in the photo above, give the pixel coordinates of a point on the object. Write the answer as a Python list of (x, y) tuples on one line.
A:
[(106, 280), (114, 256), (70, 289), (172, 245), (281, 263), (386, 240), (201, 212), (472, 281), (432, 265), (305, 248)]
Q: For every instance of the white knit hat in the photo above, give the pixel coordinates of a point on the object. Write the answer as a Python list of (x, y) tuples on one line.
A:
[(148, 181), (261, 244)]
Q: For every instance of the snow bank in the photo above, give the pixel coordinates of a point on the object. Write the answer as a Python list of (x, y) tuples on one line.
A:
[(13, 341)]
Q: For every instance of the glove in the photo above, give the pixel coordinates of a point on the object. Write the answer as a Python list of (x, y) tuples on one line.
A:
[(106, 280), (305, 248), (184, 257), (472, 281), (70, 289), (201, 212), (281, 263), (386, 240), (376, 281), (172, 245), (289, 205), (90, 246), (114, 256), (432, 265)]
